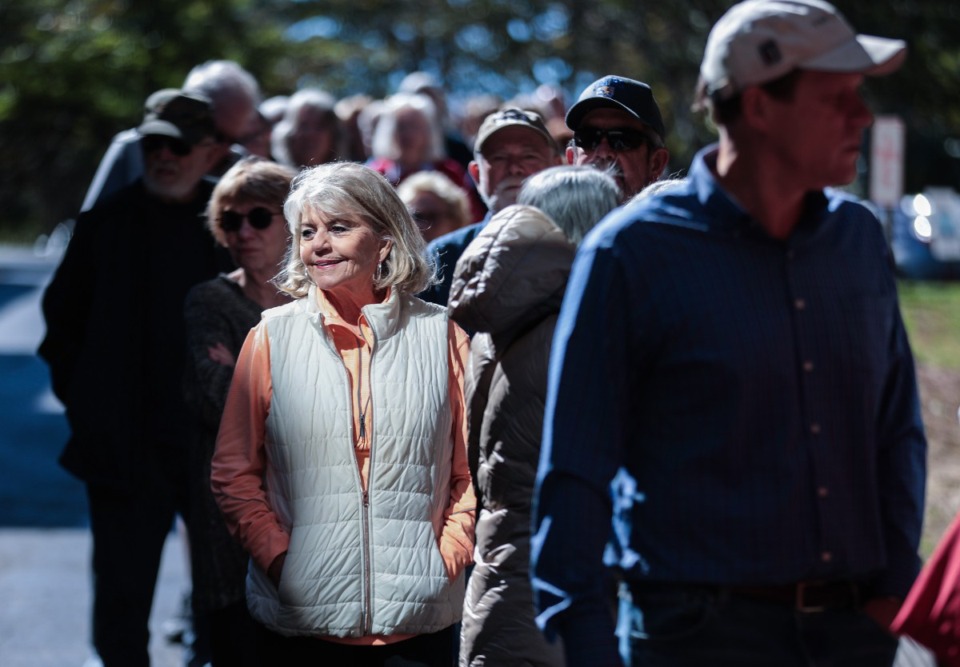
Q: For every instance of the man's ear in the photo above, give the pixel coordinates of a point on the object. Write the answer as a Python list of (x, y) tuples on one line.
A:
[(658, 162), (474, 170), (571, 155), (755, 107)]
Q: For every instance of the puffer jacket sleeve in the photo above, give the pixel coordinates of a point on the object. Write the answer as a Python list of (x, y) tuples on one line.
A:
[(239, 462)]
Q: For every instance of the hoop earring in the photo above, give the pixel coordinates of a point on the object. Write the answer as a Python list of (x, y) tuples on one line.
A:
[(379, 273)]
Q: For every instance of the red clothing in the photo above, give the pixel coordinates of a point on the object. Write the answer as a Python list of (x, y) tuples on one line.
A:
[(931, 612), (448, 167)]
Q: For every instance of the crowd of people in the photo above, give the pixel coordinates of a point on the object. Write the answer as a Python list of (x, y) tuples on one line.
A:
[(500, 392)]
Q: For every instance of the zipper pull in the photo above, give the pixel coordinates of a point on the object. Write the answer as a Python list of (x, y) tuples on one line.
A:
[(366, 498), (363, 427)]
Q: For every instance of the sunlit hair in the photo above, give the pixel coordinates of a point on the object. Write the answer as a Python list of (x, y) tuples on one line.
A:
[(251, 180), (221, 80), (575, 198), (663, 185), (437, 184), (347, 190), (384, 144), (284, 132)]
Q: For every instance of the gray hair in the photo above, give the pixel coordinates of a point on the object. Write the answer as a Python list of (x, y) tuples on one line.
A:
[(575, 197), (656, 188), (350, 190), (283, 131), (221, 80), (384, 142), (438, 184)]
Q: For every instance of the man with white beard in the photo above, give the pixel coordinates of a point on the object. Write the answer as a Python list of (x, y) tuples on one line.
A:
[(511, 145)]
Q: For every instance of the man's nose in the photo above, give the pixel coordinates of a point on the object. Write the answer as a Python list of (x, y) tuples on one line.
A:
[(604, 151), (515, 166)]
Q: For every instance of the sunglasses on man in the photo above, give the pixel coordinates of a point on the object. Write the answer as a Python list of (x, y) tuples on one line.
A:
[(259, 218), (155, 142), (619, 139)]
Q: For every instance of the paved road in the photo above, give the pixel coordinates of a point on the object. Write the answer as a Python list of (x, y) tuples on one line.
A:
[(44, 543)]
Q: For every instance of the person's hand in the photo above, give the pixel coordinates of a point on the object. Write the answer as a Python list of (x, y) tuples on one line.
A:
[(276, 568), (882, 610), (221, 355)]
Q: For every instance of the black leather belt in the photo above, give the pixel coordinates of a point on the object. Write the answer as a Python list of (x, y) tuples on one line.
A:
[(806, 597)]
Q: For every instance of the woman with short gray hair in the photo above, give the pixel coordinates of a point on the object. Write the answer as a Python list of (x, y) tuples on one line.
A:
[(508, 287)]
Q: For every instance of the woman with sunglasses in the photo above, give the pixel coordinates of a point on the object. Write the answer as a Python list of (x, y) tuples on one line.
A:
[(244, 215), (341, 461)]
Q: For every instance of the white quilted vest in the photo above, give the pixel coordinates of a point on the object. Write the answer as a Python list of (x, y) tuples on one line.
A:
[(359, 565)]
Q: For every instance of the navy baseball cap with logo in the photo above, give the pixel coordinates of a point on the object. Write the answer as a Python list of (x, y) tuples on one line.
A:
[(172, 113), (617, 92)]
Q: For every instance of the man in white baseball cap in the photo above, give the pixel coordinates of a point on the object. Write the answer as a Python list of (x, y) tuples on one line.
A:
[(731, 349)]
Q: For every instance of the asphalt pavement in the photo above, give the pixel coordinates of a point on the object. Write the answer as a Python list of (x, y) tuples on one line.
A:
[(44, 541)]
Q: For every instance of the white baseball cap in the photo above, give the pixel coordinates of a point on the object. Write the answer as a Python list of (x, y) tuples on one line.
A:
[(758, 41)]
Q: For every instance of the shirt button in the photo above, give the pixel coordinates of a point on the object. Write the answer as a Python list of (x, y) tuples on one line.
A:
[(815, 428), (823, 492), (826, 556), (808, 366), (800, 304)]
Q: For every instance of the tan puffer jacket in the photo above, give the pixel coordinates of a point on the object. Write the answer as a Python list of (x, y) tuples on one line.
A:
[(507, 287)]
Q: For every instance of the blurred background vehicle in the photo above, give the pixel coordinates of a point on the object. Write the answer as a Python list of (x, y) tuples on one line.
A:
[(925, 235)]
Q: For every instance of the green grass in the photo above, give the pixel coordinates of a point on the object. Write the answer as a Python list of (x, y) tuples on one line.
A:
[(931, 311)]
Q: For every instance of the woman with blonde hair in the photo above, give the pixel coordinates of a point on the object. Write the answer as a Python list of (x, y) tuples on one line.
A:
[(245, 217), (437, 205), (341, 458)]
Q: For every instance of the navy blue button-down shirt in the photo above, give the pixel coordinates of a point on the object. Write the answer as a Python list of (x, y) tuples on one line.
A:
[(758, 397)]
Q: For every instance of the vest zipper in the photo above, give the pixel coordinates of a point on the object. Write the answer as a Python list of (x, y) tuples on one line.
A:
[(367, 573), (368, 568)]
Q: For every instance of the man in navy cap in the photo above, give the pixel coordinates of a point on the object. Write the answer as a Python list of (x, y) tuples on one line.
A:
[(115, 344), (617, 125)]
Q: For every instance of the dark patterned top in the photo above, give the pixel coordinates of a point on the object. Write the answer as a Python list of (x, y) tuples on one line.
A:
[(216, 311)]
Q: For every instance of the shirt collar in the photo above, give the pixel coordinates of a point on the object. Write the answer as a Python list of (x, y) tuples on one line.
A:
[(381, 317), (725, 214)]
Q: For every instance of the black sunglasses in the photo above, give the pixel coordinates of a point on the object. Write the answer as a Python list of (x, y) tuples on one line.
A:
[(259, 217), (155, 142), (618, 138)]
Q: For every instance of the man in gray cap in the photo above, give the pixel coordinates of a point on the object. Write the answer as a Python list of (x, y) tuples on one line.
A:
[(233, 94), (732, 395), (617, 126), (115, 345), (511, 145)]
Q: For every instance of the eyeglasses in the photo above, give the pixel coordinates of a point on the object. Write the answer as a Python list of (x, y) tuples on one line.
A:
[(426, 219), (619, 139), (259, 217), (155, 142)]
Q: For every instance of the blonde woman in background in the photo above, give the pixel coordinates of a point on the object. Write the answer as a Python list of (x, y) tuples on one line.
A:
[(437, 205)]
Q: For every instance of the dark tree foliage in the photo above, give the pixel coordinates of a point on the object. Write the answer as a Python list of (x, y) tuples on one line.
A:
[(72, 73)]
